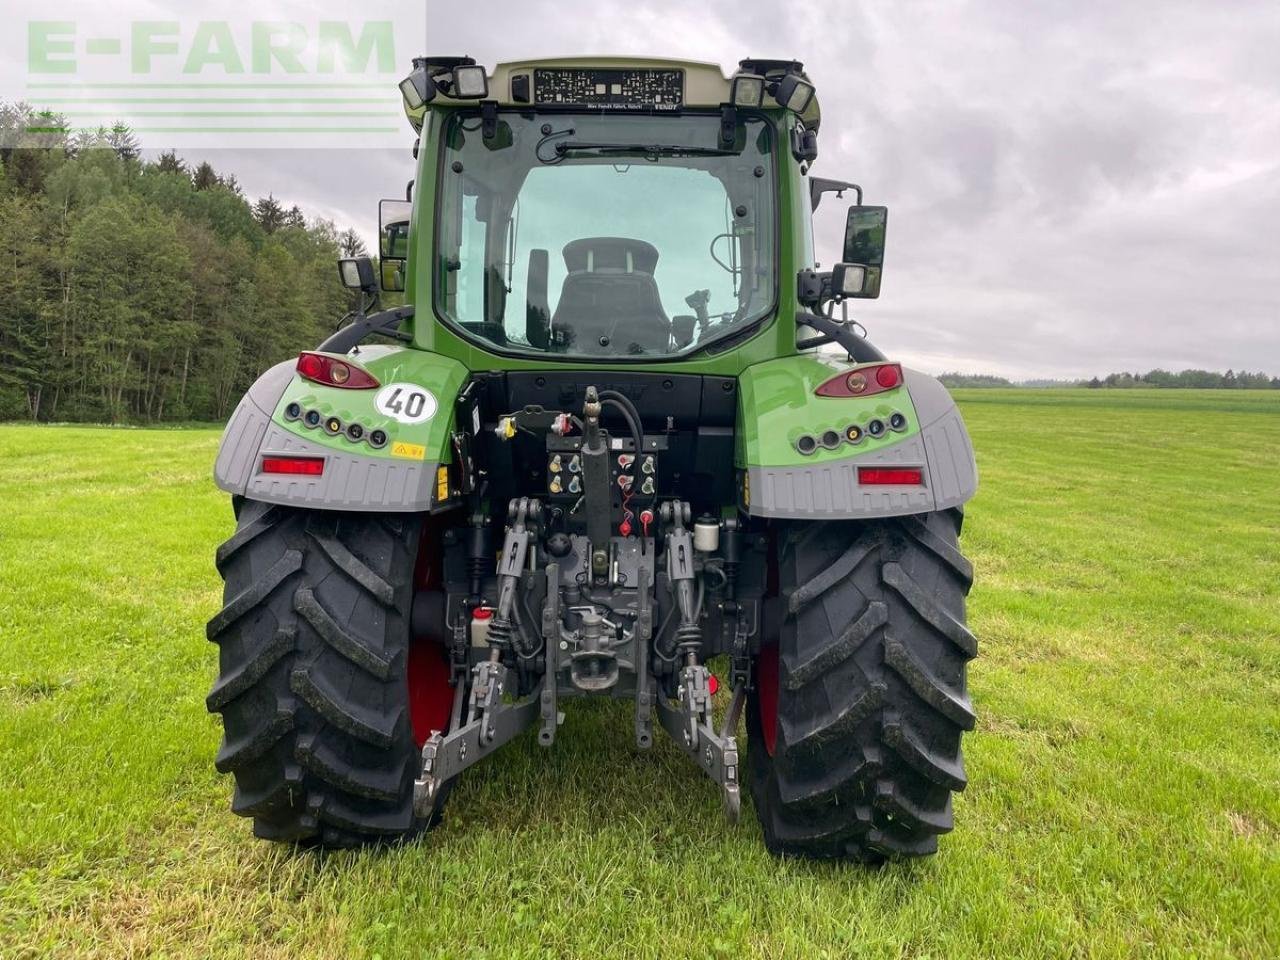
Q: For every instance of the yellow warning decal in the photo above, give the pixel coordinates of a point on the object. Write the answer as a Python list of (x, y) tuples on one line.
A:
[(442, 484), (410, 451)]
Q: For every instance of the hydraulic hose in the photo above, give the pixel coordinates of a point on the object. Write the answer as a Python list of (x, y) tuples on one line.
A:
[(628, 411), (623, 400)]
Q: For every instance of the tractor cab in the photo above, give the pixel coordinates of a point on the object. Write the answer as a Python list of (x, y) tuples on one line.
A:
[(629, 209)]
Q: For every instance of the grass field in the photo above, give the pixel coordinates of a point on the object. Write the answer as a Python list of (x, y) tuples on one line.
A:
[(1124, 792)]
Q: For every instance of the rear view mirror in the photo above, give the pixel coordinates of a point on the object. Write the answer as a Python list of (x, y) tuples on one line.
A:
[(858, 275), (393, 242), (392, 275), (393, 229)]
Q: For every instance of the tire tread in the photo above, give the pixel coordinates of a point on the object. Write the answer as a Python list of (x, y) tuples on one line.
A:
[(872, 699), (314, 704)]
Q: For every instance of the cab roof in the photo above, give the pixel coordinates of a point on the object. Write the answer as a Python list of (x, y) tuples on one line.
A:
[(623, 83), (705, 84)]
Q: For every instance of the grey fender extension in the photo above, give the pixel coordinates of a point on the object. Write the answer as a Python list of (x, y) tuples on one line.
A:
[(349, 481), (830, 490)]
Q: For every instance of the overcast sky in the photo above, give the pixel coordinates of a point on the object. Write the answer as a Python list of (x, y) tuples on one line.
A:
[(1074, 187)]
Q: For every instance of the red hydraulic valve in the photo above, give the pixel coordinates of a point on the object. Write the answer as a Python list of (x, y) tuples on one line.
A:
[(646, 521)]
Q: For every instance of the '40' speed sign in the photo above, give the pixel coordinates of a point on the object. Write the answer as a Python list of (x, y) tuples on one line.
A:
[(406, 402)]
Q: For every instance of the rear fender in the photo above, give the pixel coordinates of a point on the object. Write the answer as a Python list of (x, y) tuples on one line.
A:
[(778, 403), (402, 475)]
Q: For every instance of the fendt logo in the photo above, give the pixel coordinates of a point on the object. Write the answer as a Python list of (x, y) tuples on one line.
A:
[(306, 75)]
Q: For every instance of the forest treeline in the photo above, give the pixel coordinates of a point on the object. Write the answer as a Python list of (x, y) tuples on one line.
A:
[(146, 291), (1185, 379), (1198, 379)]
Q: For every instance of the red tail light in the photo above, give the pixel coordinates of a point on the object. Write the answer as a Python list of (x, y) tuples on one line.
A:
[(864, 381), (333, 372), (296, 466), (891, 476)]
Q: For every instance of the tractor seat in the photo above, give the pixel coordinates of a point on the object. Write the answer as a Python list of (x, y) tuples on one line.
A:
[(609, 303)]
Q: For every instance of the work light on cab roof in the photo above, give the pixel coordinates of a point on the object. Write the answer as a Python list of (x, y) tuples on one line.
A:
[(619, 425)]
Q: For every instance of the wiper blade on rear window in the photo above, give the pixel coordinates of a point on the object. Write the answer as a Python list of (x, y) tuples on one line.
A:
[(650, 151)]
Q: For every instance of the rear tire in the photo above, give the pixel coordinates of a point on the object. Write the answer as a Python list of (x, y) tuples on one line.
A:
[(855, 724), (313, 687)]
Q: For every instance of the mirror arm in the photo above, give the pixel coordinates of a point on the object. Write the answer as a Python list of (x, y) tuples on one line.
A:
[(860, 348), (818, 186), (386, 323), (813, 342)]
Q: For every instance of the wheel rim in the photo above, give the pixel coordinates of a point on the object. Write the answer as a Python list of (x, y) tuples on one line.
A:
[(430, 695), (427, 667), (767, 660), (767, 695)]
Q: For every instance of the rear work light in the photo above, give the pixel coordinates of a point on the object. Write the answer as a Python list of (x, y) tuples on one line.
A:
[(891, 476), (294, 466), (863, 382), (333, 372)]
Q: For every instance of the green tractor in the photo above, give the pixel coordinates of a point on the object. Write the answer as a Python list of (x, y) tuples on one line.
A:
[(619, 435)]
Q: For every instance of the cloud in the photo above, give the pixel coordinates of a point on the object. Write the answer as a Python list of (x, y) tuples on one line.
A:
[(1073, 187)]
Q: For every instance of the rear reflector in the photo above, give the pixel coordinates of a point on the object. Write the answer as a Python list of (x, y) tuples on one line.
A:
[(297, 466), (889, 376), (891, 476)]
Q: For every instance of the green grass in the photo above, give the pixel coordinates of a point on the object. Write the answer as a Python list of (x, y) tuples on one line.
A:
[(1124, 789)]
